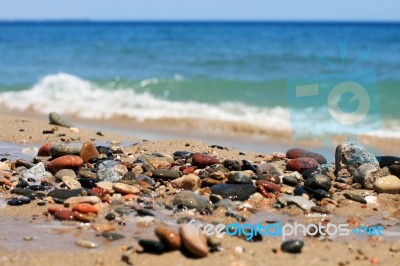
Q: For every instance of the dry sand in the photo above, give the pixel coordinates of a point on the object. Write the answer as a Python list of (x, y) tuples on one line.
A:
[(53, 243)]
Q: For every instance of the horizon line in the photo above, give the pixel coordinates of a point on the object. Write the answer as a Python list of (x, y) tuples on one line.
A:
[(195, 21)]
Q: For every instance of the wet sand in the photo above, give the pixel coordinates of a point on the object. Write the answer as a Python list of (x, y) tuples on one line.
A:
[(51, 242)]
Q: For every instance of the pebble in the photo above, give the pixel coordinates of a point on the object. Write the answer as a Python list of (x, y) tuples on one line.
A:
[(82, 199), (226, 204), (195, 243), (172, 239), (270, 178), (350, 155), (84, 217), (88, 152), (85, 243), (395, 170), (146, 179), (44, 150), (290, 181), (240, 177), (37, 172), (249, 166), (111, 236), (112, 174), (292, 246), (71, 182), (64, 214), (87, 174), (303, 203), (59, 120), (110, 216), (187, 182), (269, 168), (191, 200), (234, 191), (125, 188), (85, 208), (318, 181), (65, 162), (152, 246), (320, 194), (62, 149), (203, 160), (105, 185), (102, 227), (19, 201), (299, 153), (385, 161), (232, 165), (388, 184), (165, 174), (88, 182), (355, 197), (64, 172), (301, 164), (366, 174)]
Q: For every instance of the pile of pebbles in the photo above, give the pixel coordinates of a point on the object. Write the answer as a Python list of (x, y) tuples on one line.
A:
[(91, 184)]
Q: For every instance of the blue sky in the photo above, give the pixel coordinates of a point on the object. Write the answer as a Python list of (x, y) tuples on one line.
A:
[(370, 10)]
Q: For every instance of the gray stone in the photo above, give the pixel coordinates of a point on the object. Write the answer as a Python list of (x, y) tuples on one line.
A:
[(191, 200), (234, 191), (61, 149), (366, 175), (300, 201), (318, 181), (240, 177), (269, 168), (59, 120), (37, 172), (350, 155)]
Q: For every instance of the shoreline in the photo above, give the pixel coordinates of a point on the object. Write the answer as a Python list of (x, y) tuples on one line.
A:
[(217, 133)]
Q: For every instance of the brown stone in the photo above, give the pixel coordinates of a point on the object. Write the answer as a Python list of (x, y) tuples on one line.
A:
[(195, 242), (188, 182), (44, 150), (301, 164), (65, 162), (172, 239), (203, 160), (64, 214), (88, 152)]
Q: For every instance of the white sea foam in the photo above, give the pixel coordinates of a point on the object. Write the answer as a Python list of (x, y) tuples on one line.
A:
[(71, 95)]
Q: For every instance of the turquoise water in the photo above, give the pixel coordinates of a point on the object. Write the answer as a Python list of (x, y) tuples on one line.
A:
[(223, 71)]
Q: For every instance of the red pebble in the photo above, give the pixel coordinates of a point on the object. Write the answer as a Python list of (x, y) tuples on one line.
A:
[(85, 208), (203, 160), (301, 164), (187, 169), (44, 150), (64, 214), (301, 153), (65, 162), (272, 187), (53, 209)]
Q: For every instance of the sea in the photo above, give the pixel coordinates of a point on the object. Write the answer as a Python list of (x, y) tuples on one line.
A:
[(234, 72)]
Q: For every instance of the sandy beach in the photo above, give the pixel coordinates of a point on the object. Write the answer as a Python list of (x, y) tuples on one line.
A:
[(32, 236)]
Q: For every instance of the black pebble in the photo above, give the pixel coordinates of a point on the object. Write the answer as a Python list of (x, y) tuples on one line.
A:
[(110, 216), (151, 246), (292, 246)]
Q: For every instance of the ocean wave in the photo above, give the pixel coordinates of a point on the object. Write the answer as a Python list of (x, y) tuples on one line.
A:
[(70, 95)]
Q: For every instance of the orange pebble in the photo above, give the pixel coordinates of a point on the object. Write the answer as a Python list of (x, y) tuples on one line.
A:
[(129, 197), (44, 150), (65, 162), (85, 208)]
